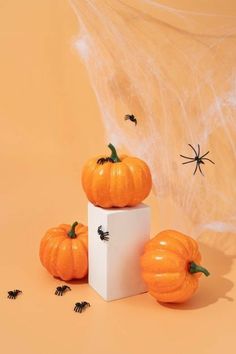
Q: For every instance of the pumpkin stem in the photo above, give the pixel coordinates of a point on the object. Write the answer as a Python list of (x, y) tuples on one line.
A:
[(114, 155), (195, 268), (72, 233)]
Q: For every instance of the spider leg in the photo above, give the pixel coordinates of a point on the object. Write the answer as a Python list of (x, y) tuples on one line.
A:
[(205, 158), (195, 169), (184, 163), (193, 149), (198, 150), (205, 154), (186, 157), (200, 169)]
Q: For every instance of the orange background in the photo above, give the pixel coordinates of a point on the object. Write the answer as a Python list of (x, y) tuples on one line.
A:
[(51, 124)]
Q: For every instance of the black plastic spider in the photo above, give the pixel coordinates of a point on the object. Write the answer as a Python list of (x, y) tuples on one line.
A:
[(198, 159), (131, 117), (81, 306), (13, 294), (60, 290), (103, 160), (104, 236)]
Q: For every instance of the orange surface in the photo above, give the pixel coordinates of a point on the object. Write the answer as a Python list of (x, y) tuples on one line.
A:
[(50, 125)]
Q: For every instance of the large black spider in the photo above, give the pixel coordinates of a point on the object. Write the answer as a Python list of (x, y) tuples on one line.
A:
[(81, 306), (131, 117), (13, 294), (104, 236), (61, 289), (198, 159)]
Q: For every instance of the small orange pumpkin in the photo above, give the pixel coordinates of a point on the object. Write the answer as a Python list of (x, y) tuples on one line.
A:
[(116, 181), (170, 266), (64, 251)]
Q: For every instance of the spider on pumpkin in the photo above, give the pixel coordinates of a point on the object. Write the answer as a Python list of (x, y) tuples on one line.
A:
[(81, 306), (60, 290), (131, 117), (198, 159), (103, 160), (104, 236), (13, 294)]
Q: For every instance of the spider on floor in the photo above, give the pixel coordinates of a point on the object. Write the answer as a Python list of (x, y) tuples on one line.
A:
[(81, 306), (198, 159), (13, 294), (60, 290)]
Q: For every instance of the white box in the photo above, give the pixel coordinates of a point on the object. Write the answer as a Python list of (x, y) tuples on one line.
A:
[(114, 265)]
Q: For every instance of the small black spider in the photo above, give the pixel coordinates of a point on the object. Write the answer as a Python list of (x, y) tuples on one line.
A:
[(104, 236), (198, 159), (81, 306), (103, 160), (131, 117), (13, 294), (60, 290)]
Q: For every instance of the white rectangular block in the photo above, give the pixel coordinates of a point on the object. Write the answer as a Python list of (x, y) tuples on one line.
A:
[(114, 265)]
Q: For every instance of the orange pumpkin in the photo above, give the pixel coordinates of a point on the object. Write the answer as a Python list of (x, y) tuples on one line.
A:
[(64, 251), (170, 266), (116, 181)]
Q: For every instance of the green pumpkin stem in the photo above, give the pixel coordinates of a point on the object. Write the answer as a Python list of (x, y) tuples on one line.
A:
[(195, 268), (114, 155), (72, 233)]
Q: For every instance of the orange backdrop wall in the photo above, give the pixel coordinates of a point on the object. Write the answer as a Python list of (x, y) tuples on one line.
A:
[(52, 121)]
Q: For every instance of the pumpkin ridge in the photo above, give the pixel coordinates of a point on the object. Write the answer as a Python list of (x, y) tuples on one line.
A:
[(44, 245), (80, 248), (135, 188), (164, 250), (52, 263), (98, 186), (87, 173), (143, 166), (179, 288), (177, 236), (119, 192), (48, 249), (169, 248), (82, 243), (132, 190), (192, 283), (74, 241), (174, 288), (59, 264)]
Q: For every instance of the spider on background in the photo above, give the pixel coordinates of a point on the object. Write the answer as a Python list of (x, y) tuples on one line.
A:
[(13, 294), (198, 159), (61, 289), (104, 236), (131, 117), (81, 306)]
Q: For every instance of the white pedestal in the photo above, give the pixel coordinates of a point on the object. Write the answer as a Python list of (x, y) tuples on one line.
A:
[(114, 265)]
